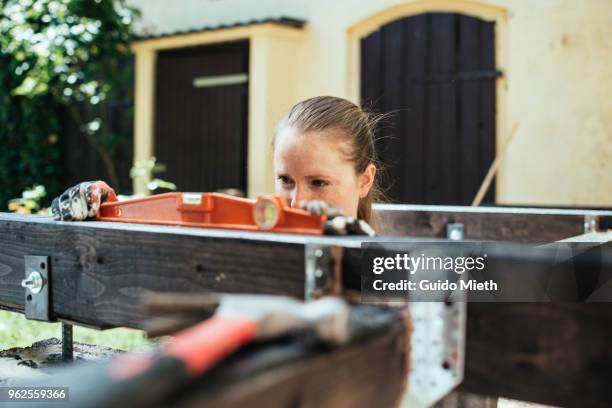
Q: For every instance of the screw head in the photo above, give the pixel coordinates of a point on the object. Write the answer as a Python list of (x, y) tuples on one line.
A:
[(34, 282), (454, 232)]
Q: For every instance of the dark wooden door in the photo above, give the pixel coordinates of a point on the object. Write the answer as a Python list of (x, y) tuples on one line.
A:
[(201, 110), (435, 73)]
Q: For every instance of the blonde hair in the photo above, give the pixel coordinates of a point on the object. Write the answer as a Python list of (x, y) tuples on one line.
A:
[(329, 112)]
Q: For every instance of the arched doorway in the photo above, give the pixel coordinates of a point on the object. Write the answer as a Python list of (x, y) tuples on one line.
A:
[(435, 72)]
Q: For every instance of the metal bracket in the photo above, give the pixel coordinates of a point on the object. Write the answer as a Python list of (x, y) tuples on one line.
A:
[(37, 286), (437, 355), (317, 259), (455, 231), (590, 223)]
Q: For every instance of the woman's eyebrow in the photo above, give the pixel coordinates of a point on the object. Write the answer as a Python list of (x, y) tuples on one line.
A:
[(319, 176)]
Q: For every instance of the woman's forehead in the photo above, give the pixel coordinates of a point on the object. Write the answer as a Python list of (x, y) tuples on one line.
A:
[(314, 151)]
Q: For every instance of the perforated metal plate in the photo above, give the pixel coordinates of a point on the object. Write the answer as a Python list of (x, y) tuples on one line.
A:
[(437, 352)]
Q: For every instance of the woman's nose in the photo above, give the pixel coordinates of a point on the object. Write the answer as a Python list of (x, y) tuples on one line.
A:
[(297, 196)]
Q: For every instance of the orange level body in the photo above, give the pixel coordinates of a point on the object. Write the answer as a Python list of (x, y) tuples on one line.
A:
[(214, 210)]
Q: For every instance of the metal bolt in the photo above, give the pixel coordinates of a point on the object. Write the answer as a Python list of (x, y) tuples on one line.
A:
[(590, 224), (67, 345), (318, 272), (318, 253), (34, 282), (455, 235), (454, 231)]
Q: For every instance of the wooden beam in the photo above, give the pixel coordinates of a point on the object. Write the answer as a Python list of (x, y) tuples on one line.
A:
[(548, 353), (288, 371), (556, 354), (365, 374), (99, 270), (488, 223)]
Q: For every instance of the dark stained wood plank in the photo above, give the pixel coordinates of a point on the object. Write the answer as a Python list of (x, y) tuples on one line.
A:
[(488, 108), (201, 133), (492, 223), (366, 374), (444, 83), (470, 168), (100, 277), (440, 140), (100, 271), (435, 63), (392, 150), (371, 65), (287, 371), (218, 133), (540, 352), (557, 354), (414, 99)]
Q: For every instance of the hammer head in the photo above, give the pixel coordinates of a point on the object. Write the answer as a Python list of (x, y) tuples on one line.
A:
[(328, 317)]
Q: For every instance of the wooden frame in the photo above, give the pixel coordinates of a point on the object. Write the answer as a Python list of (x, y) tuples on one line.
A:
[(549, 353), (367, 373), (491, 223), (545, 353)]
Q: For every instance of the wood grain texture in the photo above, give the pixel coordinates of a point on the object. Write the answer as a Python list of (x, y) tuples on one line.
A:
[(549, 353), (512, 227), (99, 274), (557, 354), (100, 270), (365, 374)]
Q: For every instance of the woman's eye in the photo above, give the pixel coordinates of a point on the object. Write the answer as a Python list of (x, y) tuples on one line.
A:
[(285, 179), (319, 183)]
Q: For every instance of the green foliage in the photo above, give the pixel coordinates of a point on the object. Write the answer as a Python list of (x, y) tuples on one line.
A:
[(59, 56), (29, 201)]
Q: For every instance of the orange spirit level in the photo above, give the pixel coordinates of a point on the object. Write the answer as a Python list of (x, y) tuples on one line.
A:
[(214, 210)]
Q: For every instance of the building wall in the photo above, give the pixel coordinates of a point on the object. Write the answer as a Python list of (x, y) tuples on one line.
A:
[(555, 54)]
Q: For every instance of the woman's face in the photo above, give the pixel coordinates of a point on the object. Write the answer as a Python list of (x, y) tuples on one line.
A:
[(313, 166)]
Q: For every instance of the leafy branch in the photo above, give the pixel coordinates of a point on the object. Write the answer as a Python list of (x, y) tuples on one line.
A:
[(60, 55)]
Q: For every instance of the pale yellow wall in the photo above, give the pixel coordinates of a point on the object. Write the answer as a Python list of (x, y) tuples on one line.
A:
[(559, 87), (273, 63), (556, 57), (144, 94)]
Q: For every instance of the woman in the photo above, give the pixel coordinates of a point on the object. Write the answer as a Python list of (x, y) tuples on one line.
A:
[(324, 161)]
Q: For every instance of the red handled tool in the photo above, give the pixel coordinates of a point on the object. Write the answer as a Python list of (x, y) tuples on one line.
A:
[(139, 380), (240, 319)]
